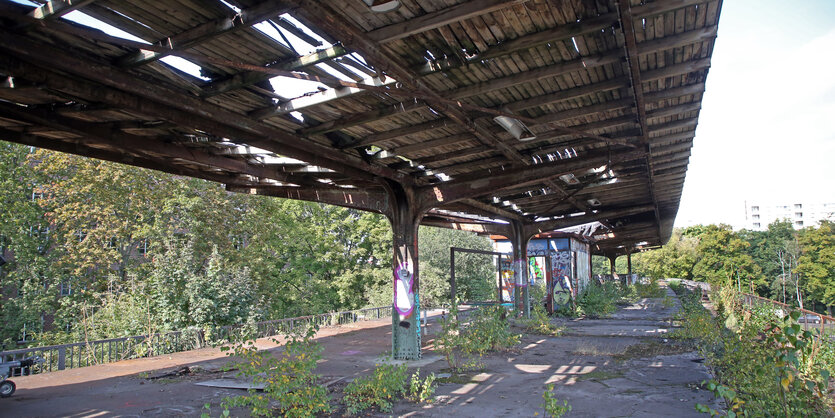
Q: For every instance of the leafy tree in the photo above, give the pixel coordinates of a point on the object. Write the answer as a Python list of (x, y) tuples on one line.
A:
[(723, 259), (26, 288), (816, 263)]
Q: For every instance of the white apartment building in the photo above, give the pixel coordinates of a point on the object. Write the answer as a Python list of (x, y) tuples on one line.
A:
[(801, 214)]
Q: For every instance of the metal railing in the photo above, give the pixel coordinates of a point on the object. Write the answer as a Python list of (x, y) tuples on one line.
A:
[(825, 323), (88, 353)]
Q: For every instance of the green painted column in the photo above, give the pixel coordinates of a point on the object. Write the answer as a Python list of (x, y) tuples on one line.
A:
[(405, 318)]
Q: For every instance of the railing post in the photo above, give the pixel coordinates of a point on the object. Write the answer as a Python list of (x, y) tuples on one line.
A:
[(62, 356)]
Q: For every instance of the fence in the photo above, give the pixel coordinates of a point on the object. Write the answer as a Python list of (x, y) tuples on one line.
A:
[(825, 323), (83, 354)]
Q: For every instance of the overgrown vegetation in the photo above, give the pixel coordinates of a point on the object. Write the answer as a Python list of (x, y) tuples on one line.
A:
[(465, 341), (289, 379), (101, 250), (386, 385), (763, 365)]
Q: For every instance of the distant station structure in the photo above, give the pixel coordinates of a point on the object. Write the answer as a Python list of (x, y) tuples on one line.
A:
[(503, 117)]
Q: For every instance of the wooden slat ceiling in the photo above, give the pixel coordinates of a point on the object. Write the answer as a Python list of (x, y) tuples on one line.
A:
[(611, 90)]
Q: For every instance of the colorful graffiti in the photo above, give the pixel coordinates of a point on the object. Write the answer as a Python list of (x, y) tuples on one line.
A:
[(561, 291), (506, 284), (536, 268), (404, 296)]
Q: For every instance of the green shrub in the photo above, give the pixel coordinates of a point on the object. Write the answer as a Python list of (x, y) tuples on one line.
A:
[(764, 366), (388, 382), (598, 301), (649, 290), (288, 379), (463, 344)]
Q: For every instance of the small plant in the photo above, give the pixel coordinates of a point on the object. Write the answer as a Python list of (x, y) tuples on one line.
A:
[(288, 379), (377, 390), (554, 407), (421, 390), (731, 399)]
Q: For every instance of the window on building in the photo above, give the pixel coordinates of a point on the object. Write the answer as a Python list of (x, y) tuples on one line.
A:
[(756, 224), (142, 247), (798, 224), (756, 216), (798, 214), (755, 208), (66, 288), (80, 235), (798, 206), (37, 195)]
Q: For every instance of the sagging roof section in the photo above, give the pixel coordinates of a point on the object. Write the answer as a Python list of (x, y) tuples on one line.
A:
[(559, 113)]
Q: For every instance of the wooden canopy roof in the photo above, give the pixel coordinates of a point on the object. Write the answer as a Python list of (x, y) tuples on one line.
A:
[(610, 89)]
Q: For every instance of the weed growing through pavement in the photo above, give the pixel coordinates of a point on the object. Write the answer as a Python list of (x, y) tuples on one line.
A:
[(554, 407), (379, 390)]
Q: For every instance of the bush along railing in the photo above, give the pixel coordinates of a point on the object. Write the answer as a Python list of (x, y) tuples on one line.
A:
[(89, 353), (808, 319)]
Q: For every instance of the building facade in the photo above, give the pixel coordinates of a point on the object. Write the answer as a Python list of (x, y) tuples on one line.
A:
[(801, 213)]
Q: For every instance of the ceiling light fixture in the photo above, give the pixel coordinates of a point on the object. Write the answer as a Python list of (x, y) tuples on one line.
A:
[(515, 127), (382, 6)]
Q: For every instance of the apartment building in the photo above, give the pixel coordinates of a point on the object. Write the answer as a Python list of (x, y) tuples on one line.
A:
[(801, 213)]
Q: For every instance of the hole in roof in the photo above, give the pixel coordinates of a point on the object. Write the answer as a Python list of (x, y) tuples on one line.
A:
[(298, 115), (644, 23), (574, 42)]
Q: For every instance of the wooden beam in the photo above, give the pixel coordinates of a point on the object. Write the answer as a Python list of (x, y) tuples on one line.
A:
[(92, 133), (363, 117), (547, 226), (247, 78), (583, 63), (443, 17), (206, 31), (118, 89), (121, 158), (54, 9), (316, 99), (552, 35), (535, 74), (432, 143), (478, 184), (400, 132), (372, 201)]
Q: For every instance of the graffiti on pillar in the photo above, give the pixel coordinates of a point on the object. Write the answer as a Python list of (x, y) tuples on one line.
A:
[(506, 281), (404, 296)]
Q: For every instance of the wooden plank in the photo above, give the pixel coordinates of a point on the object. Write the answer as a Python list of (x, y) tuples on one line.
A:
[(205, 31), (438, 19)]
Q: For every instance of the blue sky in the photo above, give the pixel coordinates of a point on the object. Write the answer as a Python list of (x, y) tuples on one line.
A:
[(767, 126)]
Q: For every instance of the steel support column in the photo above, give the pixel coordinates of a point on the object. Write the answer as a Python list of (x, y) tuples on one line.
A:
[(629, 265), (519, 238), (404, 216)]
